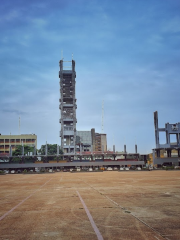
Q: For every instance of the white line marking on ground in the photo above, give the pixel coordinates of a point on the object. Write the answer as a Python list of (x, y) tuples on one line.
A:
[(156, 237), (137, 218), (3, 216), (98, 234)]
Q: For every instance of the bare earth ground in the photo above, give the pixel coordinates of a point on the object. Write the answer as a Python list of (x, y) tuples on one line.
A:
[(123, 205)]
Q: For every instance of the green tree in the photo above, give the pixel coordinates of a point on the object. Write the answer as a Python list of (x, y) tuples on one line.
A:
[(18, 152), (52, 149)]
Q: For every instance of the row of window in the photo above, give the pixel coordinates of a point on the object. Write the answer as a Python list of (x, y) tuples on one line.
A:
[(16, 140), (4, 151), (7, 146)]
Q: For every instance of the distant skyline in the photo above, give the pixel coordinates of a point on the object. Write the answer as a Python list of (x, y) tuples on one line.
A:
[(127, 54)]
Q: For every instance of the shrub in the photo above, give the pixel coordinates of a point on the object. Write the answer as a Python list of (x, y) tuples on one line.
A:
[(169, 167)]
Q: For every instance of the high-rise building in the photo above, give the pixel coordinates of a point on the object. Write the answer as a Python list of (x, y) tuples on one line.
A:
[(67, 107)]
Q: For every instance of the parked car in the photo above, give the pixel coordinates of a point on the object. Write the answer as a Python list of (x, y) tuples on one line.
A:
[(132, 168), (109, 169), (90, 169), (121, 169), (138, 168), (176, 167), (115, 168), (127, 169), (12, 171)]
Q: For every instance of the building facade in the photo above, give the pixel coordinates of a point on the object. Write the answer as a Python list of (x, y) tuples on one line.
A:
[(170, 149), (100, 142), (13, 140), (67, 107), (83, 141), (90, 141)]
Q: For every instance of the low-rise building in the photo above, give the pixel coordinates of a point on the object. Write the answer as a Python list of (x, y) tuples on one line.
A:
[(13, 140), (100, 142)]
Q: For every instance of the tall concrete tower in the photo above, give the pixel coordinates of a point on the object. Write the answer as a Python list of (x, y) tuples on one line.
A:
[(68, 107)]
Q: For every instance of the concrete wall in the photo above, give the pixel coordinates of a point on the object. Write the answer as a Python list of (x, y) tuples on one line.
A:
[(70, 164)]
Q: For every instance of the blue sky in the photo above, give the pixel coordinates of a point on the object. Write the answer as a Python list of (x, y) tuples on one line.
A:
[(127, 53)]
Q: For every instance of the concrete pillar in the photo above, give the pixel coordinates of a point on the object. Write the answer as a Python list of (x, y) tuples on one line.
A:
[(93, 139), (46, 149), (22, 150), (34, 150), (57, 149), (124, 148), (169, 153), (158, 153), (10, 151), (153, 156), (177, 138), (156, 128), (135, 148), (80, 148), (113, 148)]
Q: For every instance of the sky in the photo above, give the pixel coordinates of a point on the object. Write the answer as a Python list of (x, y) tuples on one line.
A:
[(127, 55)]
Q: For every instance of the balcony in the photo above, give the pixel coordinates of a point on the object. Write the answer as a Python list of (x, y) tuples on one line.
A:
[(67, 105), (68, 146), (68, 132)]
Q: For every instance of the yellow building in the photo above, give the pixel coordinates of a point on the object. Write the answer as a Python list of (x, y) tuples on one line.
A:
[(13, 140)]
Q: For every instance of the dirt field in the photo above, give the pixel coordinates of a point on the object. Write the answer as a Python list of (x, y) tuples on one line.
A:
[(104, 205)]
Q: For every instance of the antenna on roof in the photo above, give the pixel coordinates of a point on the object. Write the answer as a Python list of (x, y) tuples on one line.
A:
[(62, 54), (102, 126), (72, 56)]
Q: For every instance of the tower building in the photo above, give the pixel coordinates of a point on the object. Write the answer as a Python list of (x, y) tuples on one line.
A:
[(67, 107)]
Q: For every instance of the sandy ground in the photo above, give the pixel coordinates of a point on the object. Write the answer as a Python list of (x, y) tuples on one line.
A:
[(123, 205)]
